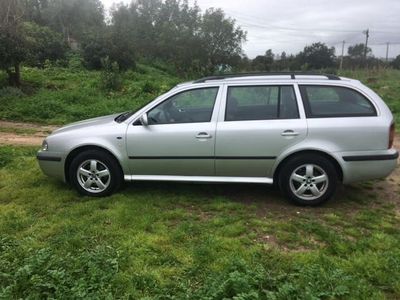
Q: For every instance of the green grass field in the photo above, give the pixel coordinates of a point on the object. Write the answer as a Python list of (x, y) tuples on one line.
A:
[(182, 241), (192, 241)]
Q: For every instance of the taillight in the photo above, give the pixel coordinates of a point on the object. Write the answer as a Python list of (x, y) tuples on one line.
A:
[(391, 135)]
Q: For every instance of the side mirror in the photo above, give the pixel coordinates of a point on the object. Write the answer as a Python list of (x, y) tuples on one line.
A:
[(143, 120)]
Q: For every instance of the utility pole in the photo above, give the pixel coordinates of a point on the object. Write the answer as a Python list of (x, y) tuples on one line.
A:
[(366, 32), (341, 58), (387, 52)]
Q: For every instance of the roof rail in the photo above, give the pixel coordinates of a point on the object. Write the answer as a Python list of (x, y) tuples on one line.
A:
[(291, 74)]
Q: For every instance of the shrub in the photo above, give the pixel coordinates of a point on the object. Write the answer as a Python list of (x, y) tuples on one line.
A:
[(110, 76), (149, 87), (11, 92)]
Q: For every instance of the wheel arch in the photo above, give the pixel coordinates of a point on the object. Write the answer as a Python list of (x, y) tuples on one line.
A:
[(328, 156), (80, 149)]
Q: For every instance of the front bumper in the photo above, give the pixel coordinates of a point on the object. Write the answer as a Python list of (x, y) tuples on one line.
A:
[(52, 164)]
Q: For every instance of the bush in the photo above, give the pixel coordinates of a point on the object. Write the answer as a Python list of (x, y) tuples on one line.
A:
[(149, 87), (110, 77), (11, 92)]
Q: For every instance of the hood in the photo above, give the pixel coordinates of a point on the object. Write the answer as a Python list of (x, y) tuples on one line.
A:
[(87, 123)]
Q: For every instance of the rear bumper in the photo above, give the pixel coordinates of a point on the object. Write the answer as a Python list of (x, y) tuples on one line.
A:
[(375, 157), (52, 164), (368, 165)]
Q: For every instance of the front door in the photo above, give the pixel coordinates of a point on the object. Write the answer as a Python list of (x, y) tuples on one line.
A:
[(179, 138)]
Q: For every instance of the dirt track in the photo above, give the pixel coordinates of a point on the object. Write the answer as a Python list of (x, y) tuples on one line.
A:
[(27, 134)]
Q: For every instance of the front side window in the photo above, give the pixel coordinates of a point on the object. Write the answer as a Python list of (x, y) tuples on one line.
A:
[(335, 101), (261, 103), (190, 106)]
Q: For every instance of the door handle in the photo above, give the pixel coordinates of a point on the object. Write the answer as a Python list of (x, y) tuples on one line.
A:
[(289, 133), (203, 135)]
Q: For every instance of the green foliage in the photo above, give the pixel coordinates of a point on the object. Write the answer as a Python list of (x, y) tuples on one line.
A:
[(5, 156), (112, 45), (396, 62), (8, 154), (44, 44), (75, 19), (221, 38), (110, 76), (263, 62), (177, 33), (11, 92), (37, 273), (357, 51), (317, 56)]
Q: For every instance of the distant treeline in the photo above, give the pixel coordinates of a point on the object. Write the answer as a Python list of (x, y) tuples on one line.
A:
[(170, 32)]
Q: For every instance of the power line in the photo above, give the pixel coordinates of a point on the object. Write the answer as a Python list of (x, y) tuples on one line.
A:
[(262, 24)]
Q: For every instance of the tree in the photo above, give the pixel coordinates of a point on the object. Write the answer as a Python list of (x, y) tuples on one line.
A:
[(44, 44), (356, 55), (317, 56), (13, 44), (22, 41), (357, 51), (396, 62), (283, 64), (221, 39)]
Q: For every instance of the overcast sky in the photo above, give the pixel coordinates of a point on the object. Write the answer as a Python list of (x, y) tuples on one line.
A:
[(288, 25)]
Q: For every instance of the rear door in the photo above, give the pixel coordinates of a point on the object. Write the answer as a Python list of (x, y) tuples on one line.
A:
[(257, 124)]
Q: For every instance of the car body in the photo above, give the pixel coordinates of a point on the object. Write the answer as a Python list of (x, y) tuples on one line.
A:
[(237, 128)]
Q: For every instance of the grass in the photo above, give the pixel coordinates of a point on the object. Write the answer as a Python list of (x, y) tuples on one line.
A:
[(191, 241), (58, 95)]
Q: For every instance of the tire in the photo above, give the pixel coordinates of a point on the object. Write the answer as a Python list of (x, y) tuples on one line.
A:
[(308, 179), (95, 173)]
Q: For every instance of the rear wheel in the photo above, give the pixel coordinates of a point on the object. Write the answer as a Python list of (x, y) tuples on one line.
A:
[(308, 179), (95, 173)]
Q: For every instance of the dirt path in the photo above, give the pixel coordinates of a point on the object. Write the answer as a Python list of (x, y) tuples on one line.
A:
[(28, 134)]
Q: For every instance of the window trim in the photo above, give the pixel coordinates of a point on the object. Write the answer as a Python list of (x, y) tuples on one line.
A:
[(310, 115), (218, 87), (279, 101)]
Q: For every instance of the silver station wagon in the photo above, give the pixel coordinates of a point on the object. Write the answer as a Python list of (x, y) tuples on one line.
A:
[(306, 133)]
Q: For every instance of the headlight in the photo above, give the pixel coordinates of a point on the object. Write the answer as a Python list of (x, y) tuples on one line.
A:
[(45, 146)]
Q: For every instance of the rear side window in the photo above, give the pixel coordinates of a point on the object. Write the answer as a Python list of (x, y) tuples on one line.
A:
[(334, 101), (261, 103)]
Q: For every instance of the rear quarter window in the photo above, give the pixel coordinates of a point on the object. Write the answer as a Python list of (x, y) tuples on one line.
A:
[(335, 101)]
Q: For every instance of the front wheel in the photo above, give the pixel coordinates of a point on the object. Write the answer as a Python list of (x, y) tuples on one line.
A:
[(95, 173), (308, 179)]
